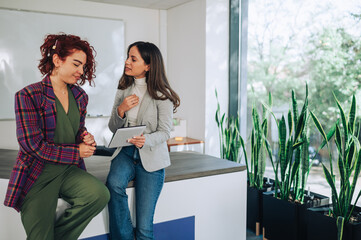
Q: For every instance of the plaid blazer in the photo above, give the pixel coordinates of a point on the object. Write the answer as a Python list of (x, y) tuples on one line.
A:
[(35, 114)]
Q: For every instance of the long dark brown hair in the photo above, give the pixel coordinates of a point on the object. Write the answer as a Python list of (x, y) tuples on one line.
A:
[(64, 45), (156, 78)]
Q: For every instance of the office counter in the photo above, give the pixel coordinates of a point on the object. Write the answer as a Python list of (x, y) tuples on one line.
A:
[(203, 198)]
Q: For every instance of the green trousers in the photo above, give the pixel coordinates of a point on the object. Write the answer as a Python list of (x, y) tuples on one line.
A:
[(85, 193)]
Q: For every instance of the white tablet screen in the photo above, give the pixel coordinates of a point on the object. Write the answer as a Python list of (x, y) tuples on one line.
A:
[(121, 136)]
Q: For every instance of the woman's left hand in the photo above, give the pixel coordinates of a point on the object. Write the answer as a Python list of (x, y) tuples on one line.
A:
[(138, 141), (88, 139)]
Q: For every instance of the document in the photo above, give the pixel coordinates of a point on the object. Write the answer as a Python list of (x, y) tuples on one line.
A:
[(121, 136)]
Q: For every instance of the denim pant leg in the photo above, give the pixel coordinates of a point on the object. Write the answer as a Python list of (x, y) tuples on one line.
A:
[(148, 186), (120, 174)]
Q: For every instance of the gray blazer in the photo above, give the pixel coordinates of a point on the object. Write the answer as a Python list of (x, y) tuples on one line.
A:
[(157, 115)]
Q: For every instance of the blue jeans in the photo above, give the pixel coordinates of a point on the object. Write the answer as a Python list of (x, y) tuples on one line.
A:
[(125, 167)]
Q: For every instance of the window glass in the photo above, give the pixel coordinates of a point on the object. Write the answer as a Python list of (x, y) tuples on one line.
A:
[(294, 42)]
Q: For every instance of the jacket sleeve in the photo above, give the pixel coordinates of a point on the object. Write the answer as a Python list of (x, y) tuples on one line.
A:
[(164, 126), (115, 120), (31, 137)]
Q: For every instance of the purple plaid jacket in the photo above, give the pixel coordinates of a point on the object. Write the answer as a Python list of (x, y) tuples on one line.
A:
[(35, 127)]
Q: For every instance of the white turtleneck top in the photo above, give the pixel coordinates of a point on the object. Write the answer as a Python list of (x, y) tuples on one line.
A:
[(140, 87)]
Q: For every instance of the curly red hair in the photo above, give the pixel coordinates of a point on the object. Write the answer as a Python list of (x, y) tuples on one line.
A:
[(64, 45)]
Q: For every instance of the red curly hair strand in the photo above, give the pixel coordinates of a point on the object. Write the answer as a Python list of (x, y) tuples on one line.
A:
[(64, 45)]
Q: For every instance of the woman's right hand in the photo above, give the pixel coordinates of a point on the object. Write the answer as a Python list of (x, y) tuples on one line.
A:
[(86, 150), (127, 104)]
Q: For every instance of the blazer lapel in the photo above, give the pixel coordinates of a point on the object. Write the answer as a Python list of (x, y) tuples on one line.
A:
[(48, 90), (127, 92), (79, 98), (48, 108), (143, 107)]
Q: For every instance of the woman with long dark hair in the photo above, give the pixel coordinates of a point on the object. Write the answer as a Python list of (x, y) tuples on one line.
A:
[(144, 97)]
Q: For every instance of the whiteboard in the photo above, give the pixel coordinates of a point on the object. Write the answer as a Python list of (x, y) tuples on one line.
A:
[(21, 35)]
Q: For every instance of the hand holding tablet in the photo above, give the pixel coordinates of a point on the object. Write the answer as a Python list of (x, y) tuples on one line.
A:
[(121, 136), (137, 141)]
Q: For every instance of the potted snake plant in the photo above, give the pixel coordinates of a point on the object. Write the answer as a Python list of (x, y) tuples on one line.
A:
[(256, 164), (340, 220), (229, 135), (230, 144), (284, 208)]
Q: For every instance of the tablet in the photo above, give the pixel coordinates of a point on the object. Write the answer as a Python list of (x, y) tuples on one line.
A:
[(121, 136)]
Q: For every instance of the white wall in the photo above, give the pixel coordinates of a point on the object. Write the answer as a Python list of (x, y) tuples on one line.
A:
[(186, 63), (140, 24), (198, 63), (217, 42)]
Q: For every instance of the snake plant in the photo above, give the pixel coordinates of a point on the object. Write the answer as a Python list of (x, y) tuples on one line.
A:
[(348, 162), (229, 135), (259, 144), (292, 168)]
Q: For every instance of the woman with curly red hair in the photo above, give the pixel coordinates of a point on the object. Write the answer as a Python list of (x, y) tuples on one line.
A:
[(50, 127)]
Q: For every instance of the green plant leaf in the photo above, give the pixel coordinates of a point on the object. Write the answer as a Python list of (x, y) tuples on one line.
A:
[(246, 160), (295, 168), (343, 117), (261, 166), (218, 110), (300, 124), (319, 126), (329, 136), (282, 146), (325, 137), (265, 128), (286, 164), (268, 148), (356, 173), (331, 183), (338, 140), (297, 144), (350, 155), (352, 115), (223, 117), (294, 108), (305, 164), (270, 100), (341, 167), (290, 123), (340, 222), (270, 111)]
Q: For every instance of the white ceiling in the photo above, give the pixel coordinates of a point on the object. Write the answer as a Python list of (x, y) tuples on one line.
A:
[(154, 4)]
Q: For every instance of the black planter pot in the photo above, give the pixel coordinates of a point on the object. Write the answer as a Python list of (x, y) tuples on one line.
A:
[(285, 220), (321, 226), (255, 206)]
